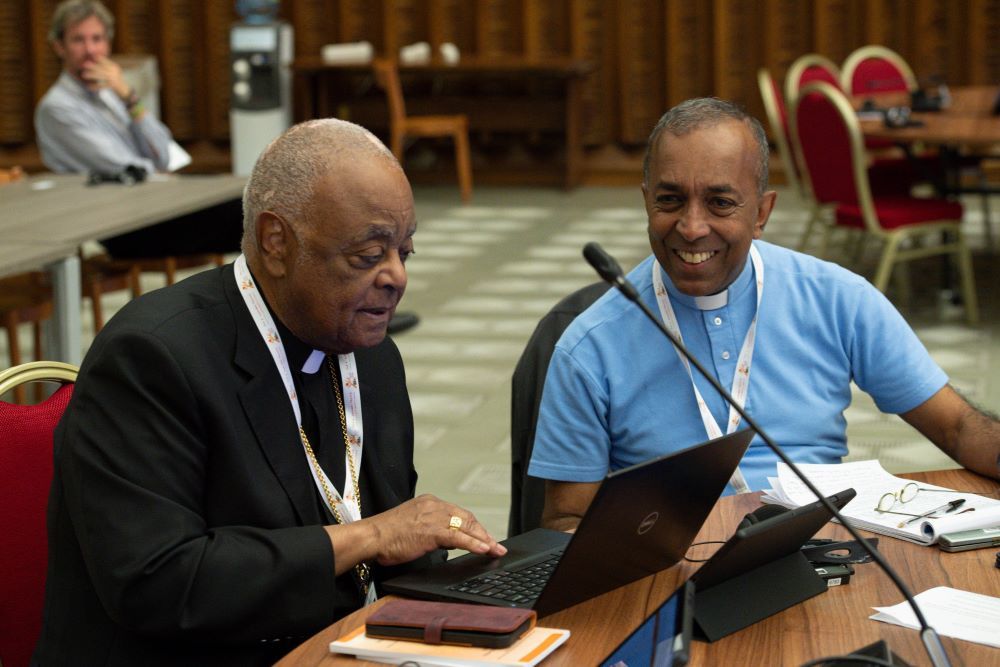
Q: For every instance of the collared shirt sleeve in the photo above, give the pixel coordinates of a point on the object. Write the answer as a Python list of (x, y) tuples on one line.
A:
[(888, 361), (572, 441)]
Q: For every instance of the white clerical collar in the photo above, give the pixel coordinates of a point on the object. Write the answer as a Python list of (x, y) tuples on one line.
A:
[(313, 362), (743, 282), (712, 301)]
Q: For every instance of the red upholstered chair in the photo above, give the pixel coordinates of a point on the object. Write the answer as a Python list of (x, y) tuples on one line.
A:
[(777, 118), (830, 146), (25, 477), (876, 69), (808, 68), (894, 176)]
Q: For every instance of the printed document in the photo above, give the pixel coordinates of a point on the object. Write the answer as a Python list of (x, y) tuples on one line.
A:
[(871, 481), (951, 612)]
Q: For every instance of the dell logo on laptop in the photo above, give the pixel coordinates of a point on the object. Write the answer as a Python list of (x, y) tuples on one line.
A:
[(647, 523)]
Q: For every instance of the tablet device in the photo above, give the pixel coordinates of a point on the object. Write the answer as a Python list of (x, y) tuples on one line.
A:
[(663, 639), (760, 570)]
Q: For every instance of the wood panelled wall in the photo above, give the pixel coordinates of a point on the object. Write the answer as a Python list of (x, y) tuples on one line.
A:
[(650, 54)]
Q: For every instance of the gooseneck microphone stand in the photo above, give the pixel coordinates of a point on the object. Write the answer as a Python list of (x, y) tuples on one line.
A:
[(611, 272)]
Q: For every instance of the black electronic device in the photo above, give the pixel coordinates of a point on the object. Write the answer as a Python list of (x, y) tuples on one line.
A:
[(923, 101), (130, 175), (967, 540), (835, 575), (610, 271), (649, 512), (663, 639), (761, 570)]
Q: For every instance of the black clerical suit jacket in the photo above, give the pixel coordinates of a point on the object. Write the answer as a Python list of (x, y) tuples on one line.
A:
[(183, 521)]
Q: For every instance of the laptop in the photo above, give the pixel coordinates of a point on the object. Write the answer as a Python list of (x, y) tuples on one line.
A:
[(642, 520), (663, 639)]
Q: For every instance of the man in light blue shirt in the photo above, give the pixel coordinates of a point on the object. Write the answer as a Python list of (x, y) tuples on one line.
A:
[(787, 332)]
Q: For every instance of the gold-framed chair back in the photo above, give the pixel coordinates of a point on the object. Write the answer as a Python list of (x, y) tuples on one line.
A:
[(806, 69), (875, 68), (36, 371)]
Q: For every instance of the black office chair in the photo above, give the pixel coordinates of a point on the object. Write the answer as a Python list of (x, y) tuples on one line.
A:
[(527, 494)]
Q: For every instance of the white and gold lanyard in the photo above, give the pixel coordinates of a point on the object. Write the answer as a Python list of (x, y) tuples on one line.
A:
[(348, 505), (741, 378)]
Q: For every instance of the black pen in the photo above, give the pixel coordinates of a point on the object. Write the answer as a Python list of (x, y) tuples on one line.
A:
[(946, 508)]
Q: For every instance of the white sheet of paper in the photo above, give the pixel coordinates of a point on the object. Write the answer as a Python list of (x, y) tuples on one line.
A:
[(960, 614), (177, 157)]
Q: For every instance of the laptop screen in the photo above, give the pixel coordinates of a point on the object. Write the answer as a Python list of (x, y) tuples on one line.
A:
[(663, 639)]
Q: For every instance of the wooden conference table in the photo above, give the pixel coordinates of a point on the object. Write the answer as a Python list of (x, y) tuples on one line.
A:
[(967, 122), (45, 219), (482, 88), (835, 622)]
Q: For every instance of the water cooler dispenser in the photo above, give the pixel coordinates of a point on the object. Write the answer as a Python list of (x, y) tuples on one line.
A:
[(261, 54)]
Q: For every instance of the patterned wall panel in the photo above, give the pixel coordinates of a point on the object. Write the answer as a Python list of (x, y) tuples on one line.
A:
[(406, 22), (593, 40), (315, 24), (545, 28), (360, 20), (499, 27), (45, 65), (15, 78), (983, 42), (137, 25), (640, 69), (886, 22), (181, 68), (647, 54), (218, 19), (738, 51), (689, 56), (836, 28), (452, 21)]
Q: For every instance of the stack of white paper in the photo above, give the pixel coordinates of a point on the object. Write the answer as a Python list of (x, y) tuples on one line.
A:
[(871, 482), (951, 612)]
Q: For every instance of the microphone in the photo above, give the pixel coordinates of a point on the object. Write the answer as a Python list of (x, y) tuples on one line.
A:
[(611, 272), (608, 269)]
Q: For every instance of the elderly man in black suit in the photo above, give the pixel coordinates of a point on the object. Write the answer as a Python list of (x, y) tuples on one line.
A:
[(235, 470)]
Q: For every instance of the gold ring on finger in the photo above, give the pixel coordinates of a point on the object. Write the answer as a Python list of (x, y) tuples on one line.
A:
[(455, 523)]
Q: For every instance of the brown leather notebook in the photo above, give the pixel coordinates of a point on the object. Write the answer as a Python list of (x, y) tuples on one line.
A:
[(449, 623)]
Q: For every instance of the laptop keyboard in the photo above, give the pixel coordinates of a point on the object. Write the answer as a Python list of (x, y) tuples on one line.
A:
[(518, 586)]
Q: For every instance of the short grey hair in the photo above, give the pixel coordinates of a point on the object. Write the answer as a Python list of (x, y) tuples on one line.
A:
[(71, 12), (703, 112), (286, 174)]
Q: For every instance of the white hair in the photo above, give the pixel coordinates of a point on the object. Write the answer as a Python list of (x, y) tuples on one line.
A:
[(285, 176)]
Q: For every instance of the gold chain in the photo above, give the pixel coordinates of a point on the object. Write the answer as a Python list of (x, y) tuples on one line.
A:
[(361, 570)]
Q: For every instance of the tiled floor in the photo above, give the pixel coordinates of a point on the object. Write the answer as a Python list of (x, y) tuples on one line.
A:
[(484, 274)]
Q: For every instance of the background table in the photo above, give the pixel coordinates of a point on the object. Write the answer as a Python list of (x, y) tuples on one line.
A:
[(968, 120), (832, 623), (45, 219), (485, 89)]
